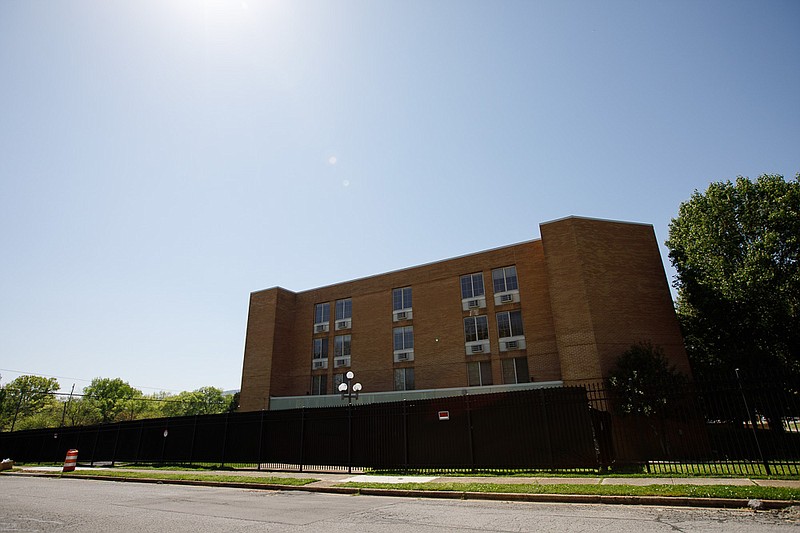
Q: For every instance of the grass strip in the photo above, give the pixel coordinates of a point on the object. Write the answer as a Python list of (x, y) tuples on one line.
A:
[(195, 476), (692, 491), (657, 471)]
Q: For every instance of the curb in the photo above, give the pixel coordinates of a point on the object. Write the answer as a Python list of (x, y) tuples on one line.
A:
[(669, 501)]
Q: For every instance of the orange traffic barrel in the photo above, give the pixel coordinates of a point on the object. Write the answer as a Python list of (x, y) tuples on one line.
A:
[(70, 461)]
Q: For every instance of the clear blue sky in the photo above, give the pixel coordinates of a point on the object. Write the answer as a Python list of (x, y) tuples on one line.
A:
[(160, 160)]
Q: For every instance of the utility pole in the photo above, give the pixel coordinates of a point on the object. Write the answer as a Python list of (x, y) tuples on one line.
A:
[(64, 414)]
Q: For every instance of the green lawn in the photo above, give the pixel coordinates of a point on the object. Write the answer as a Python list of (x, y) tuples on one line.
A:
[(712, 491), (196, 476)]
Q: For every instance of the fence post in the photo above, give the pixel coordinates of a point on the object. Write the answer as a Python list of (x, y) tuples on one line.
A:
[(349, 438), (94, 445), (139, 442), (164, 442), (260, 441), (302, 431), (224, 439), (469, 428), (405, 436), (752, 423), (116, 441), (194, 435)]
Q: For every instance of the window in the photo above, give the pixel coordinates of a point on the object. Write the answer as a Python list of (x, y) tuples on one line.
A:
[(515, 370), (319, 384), (338, 379), (341, 346), (401, 299), (403, 379), (344, 309), (479, 373), (404, 338), (320, 348), (509, 324), (505, 279), (322, 315), (472, 285), (476, 328)]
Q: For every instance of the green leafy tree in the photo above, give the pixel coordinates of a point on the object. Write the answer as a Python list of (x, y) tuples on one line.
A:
[(203, 401), (26, 396), (736, 249), (81, 412), (111, 397), (233, 406), (644, 382)]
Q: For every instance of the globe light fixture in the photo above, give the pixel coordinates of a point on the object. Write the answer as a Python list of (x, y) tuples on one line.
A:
[(348, 389)]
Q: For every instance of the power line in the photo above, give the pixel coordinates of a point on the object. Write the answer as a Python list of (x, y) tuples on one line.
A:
[(20, 372)]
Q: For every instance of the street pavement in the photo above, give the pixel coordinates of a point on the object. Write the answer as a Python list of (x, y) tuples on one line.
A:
[(48, 504)]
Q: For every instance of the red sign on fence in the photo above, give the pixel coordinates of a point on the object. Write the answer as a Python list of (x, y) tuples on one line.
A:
[(444, 415)]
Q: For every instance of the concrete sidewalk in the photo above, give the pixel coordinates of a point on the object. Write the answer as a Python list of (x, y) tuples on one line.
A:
[(328, 479)]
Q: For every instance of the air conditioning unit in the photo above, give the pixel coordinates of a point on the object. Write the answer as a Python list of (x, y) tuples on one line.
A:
[(319, 363), (339, 362), (402, 356), (401, 315), (472, 304), (477, 348), (342, 324), (320, 328), (506, 298), (512, 345)]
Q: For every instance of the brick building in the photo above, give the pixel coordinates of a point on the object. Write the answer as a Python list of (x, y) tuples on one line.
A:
[(559, 308)]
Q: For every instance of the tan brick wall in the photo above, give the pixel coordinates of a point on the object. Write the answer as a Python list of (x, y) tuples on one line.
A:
[(609, 291), (587, 288)]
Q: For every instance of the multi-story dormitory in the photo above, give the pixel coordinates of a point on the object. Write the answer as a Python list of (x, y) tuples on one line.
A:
[(559, 309)]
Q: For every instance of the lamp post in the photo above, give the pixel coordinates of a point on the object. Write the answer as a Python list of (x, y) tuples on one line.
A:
[(350, 391)]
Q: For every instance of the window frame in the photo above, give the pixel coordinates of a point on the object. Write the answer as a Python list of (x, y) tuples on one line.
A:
[(339, 351), (511, 324), (505, 278), (346, 307), (404, 372), (319, 384), (404, 294), (406, 334), (484, 373), (471, 278), (322, 309), (514, 363), (474, 320), (324, 348)]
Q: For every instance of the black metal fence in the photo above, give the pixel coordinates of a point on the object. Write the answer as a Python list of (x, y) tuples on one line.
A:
[(729, 425), (721, 426), (509, 430)]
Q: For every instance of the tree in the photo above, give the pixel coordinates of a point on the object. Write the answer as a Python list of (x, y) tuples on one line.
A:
[(203, 401), (110, 396), (643, 381), (26, 396), (736, 249), (233, 406)]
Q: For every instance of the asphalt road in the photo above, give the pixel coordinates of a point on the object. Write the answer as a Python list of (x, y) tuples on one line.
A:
[(53, 504)]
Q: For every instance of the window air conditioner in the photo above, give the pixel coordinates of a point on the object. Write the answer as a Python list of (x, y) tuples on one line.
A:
[(512, 345), (505, 298), (477, 348)]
